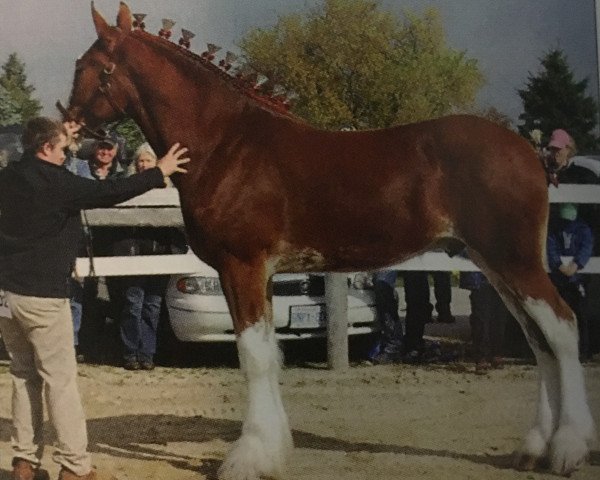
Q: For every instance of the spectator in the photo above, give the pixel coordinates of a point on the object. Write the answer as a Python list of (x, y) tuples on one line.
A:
[(584, 170), (76, 165), (81, 168), (103, 162), (571, 237), (392, 346), (143, 295), (99, 322), (418, 312), (560, 150), (419, 309), (488, 321), (388, 347), (40, 227), (419, 295), (572, 170), (442, 290)]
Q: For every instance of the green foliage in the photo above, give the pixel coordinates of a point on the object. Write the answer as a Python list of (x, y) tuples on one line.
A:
[(553, 99), (9, 110), (132, 134), (348, 63), (496, 116), (16, 102)]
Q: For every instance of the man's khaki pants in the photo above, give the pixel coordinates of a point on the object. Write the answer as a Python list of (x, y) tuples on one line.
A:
[(39, 339)]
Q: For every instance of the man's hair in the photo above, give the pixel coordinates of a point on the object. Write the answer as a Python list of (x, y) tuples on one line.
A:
[(41, 130)]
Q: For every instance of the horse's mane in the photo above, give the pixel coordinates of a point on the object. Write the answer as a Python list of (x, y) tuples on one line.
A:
[(177, 52)]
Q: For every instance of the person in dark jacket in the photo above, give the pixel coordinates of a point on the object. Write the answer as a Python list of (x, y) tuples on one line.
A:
[(488, 320), (571, 237), (40, 229), (142, 295), (99, 317)]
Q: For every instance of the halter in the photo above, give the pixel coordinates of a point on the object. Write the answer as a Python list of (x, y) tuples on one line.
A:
[(105, 85), (104, 89)]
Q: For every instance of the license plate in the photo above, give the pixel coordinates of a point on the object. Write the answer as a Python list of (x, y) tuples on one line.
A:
[(307, 316)]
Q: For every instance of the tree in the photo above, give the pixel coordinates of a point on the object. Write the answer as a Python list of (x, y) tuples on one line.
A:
[(496, 116), (350, 64), (14, 83), (553, 99), (9, 110), (131, 132)]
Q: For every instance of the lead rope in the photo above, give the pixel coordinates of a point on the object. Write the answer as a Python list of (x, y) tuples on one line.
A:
[(88, 243)]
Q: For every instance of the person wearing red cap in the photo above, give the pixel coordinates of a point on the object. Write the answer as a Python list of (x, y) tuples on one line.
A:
[(561, 149)]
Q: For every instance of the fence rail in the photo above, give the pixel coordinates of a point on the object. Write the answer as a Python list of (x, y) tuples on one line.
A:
[(161, 208)]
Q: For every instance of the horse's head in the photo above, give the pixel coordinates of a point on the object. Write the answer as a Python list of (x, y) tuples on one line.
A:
[(102, 92)]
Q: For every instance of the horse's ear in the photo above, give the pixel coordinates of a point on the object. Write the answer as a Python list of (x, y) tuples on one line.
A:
[(103, 29), (124, 21)]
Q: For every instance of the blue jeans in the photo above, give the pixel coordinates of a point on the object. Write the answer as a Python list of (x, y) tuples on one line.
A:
[(390, 341), (140, 315)]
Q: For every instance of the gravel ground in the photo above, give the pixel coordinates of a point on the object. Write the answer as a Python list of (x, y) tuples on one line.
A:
[(370, 422)]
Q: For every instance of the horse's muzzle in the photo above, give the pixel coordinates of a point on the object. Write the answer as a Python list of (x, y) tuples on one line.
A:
[(69, 117)]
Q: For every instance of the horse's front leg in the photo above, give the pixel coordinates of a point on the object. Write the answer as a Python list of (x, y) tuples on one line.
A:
[(266, 440)]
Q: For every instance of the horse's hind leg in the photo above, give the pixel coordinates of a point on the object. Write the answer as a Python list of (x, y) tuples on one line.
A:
[(266, 440), (564, 426)]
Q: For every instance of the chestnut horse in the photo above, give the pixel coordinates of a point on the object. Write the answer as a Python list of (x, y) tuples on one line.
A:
[(267, 193)]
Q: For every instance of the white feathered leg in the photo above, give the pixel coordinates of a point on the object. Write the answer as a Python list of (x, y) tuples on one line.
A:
[(575, 430), (266, 440), (536, 443)]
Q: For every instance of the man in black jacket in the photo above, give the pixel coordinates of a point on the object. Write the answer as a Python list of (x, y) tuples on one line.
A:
[(40, 230)]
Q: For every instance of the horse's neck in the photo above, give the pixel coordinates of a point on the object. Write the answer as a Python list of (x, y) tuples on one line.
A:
[(176, 106)]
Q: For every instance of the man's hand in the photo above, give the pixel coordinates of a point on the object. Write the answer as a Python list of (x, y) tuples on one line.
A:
[(171, 162), (569, 269), (72, 128)]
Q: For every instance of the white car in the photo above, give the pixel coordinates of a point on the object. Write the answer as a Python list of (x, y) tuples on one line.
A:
[(198, 310)]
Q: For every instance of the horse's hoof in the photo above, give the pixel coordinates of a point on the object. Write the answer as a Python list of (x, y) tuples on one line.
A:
[(568, 451), (249, 459)]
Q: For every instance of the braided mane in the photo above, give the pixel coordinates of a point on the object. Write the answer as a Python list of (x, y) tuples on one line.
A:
[(239, 84)]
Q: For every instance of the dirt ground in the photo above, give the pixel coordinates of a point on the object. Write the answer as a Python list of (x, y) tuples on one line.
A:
[(370, 422)]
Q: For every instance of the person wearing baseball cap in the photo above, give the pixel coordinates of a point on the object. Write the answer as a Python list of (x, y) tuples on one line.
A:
[(103, 162), (561, 148)]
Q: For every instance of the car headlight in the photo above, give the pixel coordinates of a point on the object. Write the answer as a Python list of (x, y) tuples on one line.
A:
[(199, 285), (362, 281)]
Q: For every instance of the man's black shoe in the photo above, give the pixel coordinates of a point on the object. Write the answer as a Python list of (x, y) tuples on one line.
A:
[(131, 365)]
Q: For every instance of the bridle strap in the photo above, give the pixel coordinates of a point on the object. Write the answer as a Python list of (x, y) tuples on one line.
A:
[(87, 130), (105, 85), (104, 89)]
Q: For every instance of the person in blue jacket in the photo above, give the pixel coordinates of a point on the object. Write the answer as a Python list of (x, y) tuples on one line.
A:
[(568, 236)]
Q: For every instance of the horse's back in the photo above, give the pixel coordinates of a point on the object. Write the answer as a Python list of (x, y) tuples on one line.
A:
[(379, 196)]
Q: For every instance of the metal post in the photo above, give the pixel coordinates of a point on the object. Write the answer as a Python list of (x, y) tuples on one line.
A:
[(336, 299)]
